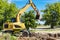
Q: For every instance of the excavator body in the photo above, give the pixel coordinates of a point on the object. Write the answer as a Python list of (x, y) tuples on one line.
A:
[(13, 27)]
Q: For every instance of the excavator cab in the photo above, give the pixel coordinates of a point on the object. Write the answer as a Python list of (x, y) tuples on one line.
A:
[(13, 27)]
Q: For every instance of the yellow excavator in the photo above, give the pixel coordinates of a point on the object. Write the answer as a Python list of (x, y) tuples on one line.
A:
[(18, 26)]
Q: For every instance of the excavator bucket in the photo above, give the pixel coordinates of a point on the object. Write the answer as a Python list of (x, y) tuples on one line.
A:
[(37, 16)]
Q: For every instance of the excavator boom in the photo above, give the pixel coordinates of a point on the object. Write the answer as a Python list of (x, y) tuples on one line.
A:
[(22, 11), (25, 8)]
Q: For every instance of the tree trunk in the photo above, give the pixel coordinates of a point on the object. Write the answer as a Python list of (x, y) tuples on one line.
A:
[(52, 26)]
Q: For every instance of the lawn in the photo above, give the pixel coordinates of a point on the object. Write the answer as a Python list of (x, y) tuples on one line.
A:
[(46, 29)]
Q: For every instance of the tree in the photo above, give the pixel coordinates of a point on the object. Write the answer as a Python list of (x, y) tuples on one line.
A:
[(29, 19), (52, 14), (7, 11)]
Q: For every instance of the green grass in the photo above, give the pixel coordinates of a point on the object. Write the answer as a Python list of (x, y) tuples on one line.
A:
[(8, 36), (56, 30), (13, 38)]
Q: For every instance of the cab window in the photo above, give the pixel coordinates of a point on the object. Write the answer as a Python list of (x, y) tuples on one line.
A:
[(17, 26), (6, 26)]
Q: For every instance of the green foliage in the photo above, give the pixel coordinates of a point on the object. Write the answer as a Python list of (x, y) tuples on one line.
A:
[(7, 11), (7, 37), (29, 19), (13, 38), (52, 14)]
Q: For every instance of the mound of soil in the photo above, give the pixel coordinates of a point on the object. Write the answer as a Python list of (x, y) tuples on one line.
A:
[(41, 36)]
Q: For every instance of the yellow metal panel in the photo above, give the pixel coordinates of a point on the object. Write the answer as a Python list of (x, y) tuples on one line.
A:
[(24, 8)]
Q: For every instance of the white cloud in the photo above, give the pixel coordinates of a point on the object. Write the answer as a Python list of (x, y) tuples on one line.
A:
[(9, 1)]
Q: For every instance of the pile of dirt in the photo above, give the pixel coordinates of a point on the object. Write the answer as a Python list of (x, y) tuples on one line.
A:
[(41, 36)]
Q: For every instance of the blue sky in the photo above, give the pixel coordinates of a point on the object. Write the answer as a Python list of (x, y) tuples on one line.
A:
[(40, 4)]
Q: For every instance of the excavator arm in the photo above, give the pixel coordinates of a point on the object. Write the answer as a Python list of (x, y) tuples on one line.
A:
[(36, 10), (25, 8)]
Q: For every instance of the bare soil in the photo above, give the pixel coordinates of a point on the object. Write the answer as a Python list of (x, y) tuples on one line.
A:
[(41, 36)]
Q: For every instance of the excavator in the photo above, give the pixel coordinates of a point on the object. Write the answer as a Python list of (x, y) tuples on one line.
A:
[(19, 26)]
